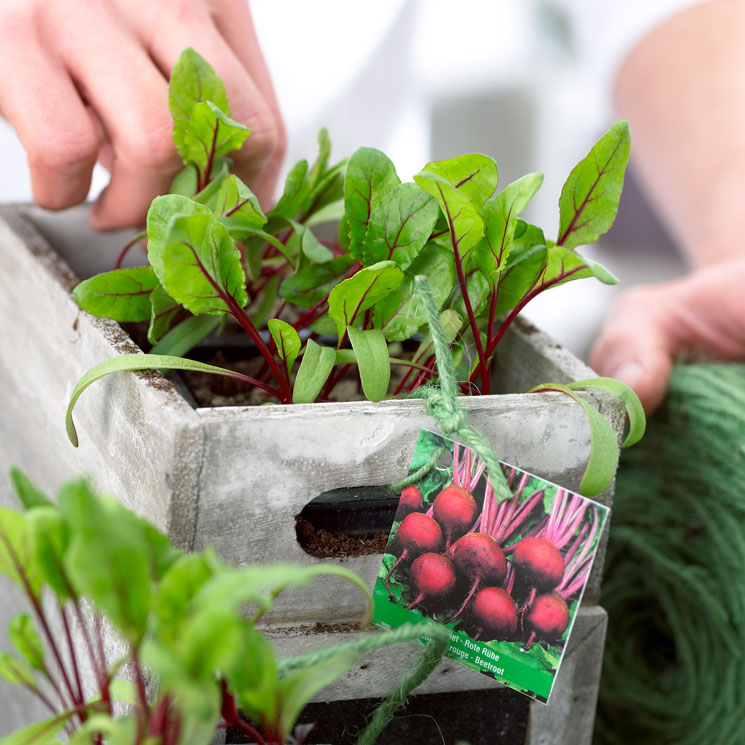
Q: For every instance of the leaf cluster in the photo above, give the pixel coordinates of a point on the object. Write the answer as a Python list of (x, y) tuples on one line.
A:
[(188, 619), (318, 310)]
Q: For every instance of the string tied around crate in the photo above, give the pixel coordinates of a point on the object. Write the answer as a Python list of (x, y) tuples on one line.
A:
[(442, 403)]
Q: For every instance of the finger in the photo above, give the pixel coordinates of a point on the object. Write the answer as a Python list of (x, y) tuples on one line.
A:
[(638, 344), (41, 102), (130, 98), (256, 162)]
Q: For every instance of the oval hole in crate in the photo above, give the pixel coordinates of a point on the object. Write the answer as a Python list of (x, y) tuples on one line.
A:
[(353, 521)]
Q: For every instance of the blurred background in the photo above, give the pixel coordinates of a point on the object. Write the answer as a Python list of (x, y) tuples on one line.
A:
[(519, 80)]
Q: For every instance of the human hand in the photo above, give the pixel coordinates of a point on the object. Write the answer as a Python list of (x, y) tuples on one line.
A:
[(87, 81), (650, 326)]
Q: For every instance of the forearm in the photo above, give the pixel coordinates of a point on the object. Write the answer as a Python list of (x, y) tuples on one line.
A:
[(683, 90)]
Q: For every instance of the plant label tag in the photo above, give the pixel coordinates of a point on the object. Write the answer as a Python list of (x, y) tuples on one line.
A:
[(507, 579)]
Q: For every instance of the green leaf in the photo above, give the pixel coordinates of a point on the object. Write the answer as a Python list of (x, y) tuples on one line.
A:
[(330, 213), (464, 223), (28, 495), (603, 461), (122, 294), (192, 81), (399, 226), (400, 314), (109, 557), (373, 361), (318, 169), (370, 176), (162, 211), (128, 362), (15, 550), (202, 266), (253, 679), (361, 291), (473, 175), (590, 196), (185, 182), (23, 636), (103, 728), (211, 135), (311, 247), (500, 220), (297, 188), (267, 302), (15, 672), (49, 537), (309, 285), (39, 731), (297, 688), (634, 409), (287, 341), (236, 207), (313, 372), (163, 309), (184, 337)]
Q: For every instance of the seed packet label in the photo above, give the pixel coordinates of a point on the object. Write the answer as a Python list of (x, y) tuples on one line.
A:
[(506, 579)]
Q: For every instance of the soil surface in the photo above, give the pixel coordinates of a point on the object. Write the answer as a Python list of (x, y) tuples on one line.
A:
[(491, 717)]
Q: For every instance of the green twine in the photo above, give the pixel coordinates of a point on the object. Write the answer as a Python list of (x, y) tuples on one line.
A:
[(433, 653), (406, 633), (674, 668), (420, 473), (441, 401)]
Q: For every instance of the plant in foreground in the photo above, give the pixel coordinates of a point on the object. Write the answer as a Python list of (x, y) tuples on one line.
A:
[(192, 660), (321, 311)]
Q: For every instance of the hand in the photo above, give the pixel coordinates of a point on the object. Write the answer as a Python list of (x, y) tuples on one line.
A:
[(650, 326), (87, 81)]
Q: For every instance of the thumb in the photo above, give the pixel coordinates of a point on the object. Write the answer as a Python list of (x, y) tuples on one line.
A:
[(637, 344)]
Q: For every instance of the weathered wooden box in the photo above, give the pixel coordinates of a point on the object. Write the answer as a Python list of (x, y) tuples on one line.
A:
[(235, 478)]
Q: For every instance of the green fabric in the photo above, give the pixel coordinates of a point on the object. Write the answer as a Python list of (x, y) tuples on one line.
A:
[(674, 668)]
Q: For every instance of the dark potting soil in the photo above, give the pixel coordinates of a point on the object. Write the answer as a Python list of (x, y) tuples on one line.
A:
[(325, 545), (492, 717)]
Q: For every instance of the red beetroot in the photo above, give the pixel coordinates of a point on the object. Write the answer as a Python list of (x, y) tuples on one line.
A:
[(478, 557), (410, 501), (433, 578), (495, 614), (417, 534), (547, 618), (540, 562), (455, 509)]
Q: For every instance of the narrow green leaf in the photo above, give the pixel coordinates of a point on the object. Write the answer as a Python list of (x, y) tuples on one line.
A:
[(634, 409), (28, 495), (330, 213), (297, 688), (49, 537), (211, 135), (15, 550), (318, 168), (15, 671), (122, 294), (185, 182), (184, 337), (193, 81), (399, 226), (500, 220), (370, 176), (23, 636), (297, 188), (361, 291), (590, 196), (373, 361), (39, 731), (267, 302), (236, 207), (128, 362), (311, 247), (313, 372), (202, 267), (603, 460), (287, 341), (163, 309)]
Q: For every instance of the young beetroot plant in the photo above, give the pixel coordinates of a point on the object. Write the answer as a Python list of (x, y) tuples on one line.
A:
[(321, 311)]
